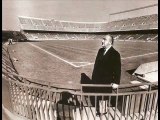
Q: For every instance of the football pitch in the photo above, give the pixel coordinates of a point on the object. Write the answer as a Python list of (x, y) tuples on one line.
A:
[(63, 61)]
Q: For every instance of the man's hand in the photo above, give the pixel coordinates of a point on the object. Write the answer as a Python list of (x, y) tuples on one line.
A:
[(114, 86)]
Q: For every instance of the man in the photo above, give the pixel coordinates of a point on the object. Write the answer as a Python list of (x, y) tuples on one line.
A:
[(9, 41), (107, 68), (65, 106)]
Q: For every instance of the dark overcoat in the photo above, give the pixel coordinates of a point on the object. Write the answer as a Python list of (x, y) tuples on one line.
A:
[(107, 69)]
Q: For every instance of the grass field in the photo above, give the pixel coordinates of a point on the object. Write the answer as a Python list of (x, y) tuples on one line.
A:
[(64, 60)]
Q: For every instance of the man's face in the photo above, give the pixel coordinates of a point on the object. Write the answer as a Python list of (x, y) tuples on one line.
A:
[(106, 42)]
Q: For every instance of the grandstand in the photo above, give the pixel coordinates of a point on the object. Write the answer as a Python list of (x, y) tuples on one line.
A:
[(46, 29), (15, 35), (136, 23)]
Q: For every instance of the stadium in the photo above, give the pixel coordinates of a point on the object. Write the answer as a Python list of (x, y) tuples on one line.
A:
[(44, 67)]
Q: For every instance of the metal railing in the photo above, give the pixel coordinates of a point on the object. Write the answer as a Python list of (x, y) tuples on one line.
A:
[(48, 101)]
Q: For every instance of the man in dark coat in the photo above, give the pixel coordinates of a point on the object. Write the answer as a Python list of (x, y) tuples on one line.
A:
[(107, 67), (10, 41)]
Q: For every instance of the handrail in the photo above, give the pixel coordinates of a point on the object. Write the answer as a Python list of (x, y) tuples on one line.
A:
[(45, 101), (53, 84), (88, 93)]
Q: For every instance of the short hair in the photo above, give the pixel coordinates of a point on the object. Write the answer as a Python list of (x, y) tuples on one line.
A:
[(112, 39)]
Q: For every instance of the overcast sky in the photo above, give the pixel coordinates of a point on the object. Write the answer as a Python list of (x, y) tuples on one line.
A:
[(69, 10)]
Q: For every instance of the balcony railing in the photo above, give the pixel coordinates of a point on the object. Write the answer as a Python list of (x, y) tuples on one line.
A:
[(51, 101)]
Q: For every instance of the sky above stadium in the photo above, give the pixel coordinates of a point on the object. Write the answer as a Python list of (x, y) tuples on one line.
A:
[(69, 10)]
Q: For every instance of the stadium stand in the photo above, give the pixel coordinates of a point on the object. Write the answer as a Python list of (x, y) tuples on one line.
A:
[(136, 23), (66, 30), (144, 37), (79, 36), (37, 22), (28, 35)]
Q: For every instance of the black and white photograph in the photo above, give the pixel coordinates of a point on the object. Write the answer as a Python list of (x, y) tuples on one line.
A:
[(79, 59)]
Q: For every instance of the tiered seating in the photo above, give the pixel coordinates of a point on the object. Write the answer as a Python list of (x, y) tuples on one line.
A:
[(37, 22), (47, 22), (82, 27), (54, 36), (82, 36), (116, 37), (155, 38), (65, 25), (48, 36), (123, 37), (72, 37), (102, 27), (47, 25), (22, 20), (136, 36), (62, 37), (85, 29), (41, 36), (147, 37), (99, 37), (136, 23), (127, 24), (58, 26), (77, 36), (89, 27), (142, 37), (58, 36), (28, 35)]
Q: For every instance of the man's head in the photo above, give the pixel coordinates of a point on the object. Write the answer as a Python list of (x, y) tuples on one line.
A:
[(107, 41)]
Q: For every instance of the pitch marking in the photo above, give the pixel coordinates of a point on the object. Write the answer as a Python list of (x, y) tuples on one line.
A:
[(131, 57), (54, 55), (139, 56), (71, 63), (85, 64)]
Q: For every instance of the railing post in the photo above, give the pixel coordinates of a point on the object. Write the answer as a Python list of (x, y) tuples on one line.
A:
[(81, 104), (116, 103), (31, 90), (55, 105), (16, 98), (147, 103), (75, 106), (41, 105), (50, 103), (11, 94), (25, 95), (19, 99), (46, 112), (28, 101)]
